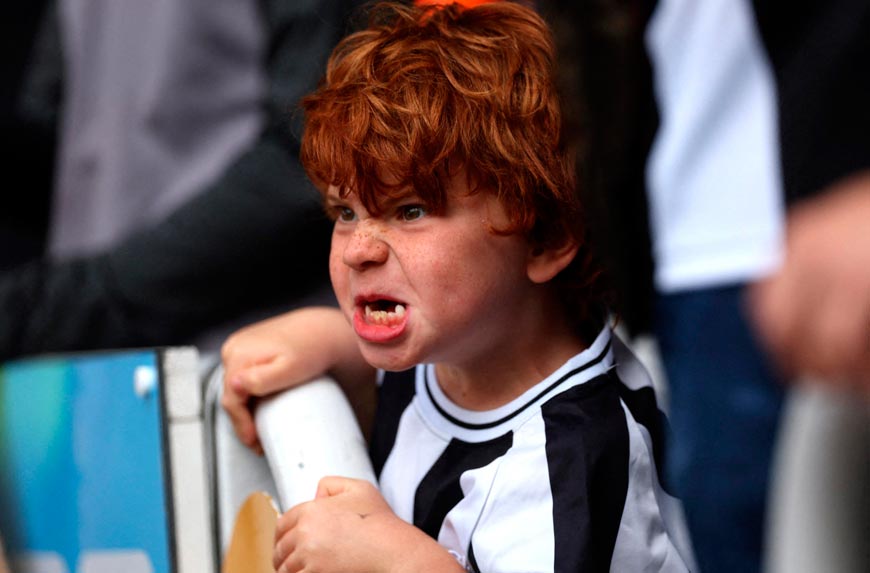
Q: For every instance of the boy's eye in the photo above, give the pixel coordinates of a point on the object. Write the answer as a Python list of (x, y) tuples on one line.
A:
[(343, 214), (412, 212)]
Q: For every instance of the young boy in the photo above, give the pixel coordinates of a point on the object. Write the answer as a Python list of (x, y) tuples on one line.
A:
[(512, 426)]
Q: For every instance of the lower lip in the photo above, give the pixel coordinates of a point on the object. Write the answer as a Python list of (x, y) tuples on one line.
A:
[(379, 333)]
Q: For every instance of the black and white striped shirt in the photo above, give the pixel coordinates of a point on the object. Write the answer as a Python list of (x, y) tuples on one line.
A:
[(564, 478)]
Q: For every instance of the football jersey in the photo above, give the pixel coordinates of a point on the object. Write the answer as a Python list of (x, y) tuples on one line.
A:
[(563, 478)]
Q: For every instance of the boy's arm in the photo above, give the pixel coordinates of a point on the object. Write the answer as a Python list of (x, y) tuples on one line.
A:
[(286, 351), (350, 527)]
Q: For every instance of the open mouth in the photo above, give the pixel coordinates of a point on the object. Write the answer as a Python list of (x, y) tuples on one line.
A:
[(380, 320), (383, 311)]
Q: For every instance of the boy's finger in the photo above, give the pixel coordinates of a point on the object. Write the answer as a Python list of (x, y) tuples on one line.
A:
[(282, 551), (245, 429), (332, 485), (288, 519), (269, 377), (236, 406)]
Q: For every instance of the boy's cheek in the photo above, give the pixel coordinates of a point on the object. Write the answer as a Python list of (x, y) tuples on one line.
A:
[(342, 294), (337, 275)]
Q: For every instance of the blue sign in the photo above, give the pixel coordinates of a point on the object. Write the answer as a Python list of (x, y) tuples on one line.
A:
[(83, 484)]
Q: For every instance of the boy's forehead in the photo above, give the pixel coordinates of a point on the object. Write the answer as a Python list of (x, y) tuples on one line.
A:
[(390, 187), (383, 200), (333, 191)]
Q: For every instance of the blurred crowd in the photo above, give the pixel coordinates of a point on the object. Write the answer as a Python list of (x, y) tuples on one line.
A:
[(723, 156)]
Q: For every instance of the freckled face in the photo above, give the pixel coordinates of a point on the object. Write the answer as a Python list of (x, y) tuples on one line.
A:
[(419, 287)]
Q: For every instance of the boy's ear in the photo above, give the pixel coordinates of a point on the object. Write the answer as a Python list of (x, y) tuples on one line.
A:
[(546, 263)]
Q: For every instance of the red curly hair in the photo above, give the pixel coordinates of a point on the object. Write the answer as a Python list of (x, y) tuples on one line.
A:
[(426, 90)]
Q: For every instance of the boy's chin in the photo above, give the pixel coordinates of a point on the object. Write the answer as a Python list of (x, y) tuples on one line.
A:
[(391, 360)]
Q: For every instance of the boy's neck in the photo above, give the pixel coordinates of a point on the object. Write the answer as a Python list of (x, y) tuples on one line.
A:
[(508, 372)]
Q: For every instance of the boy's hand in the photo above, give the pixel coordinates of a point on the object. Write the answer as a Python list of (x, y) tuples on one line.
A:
[(283, 352), (350, 527)]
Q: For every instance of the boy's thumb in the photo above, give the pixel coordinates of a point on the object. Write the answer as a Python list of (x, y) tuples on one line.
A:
[(330, 486)]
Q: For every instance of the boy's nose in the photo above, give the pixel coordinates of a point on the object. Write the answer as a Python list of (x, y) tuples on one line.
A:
[(366, 247)]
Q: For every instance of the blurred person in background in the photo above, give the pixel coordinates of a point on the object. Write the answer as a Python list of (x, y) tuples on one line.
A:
[(734, 135), (26, 154), (178, 202)]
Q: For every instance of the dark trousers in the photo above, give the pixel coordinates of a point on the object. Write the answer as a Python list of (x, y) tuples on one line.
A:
[(725, 407)]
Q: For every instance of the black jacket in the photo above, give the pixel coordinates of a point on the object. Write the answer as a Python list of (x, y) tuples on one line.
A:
[(256, 238)]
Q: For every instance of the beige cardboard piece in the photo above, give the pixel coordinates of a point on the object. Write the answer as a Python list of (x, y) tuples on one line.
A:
[(253, 538)]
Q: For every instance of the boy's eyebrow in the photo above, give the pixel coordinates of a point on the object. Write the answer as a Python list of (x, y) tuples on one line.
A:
[(332, 197), (406, 194)]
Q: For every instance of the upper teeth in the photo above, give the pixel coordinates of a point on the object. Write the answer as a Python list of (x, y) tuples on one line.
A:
[(383, 316)]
